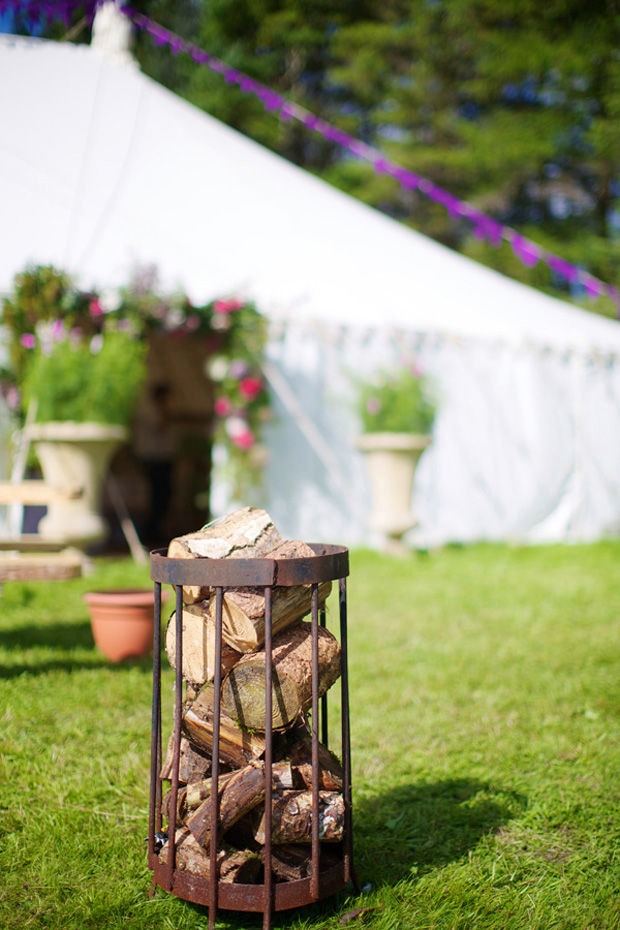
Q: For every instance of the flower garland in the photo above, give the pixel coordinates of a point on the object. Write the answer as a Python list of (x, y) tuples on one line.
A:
[(46, 309)]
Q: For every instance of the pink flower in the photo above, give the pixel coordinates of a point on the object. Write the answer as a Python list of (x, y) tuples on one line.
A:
[(226, 306), (244, 440), (373, 405), (94, 308), (250, 387), (28, 341), (222, 406), (58, 328)]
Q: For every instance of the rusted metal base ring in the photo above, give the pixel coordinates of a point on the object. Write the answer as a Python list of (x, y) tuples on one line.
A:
[(235, 897)]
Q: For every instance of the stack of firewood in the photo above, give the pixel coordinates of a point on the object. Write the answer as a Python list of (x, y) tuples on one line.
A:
[(250, 533)]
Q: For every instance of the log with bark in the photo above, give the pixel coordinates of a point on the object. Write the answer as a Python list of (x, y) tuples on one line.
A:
[(239, 794), (233, 865), (299, 757), (198, 645), (292, 818), (193, 763), (289, 863), (243, 691), (247, 533), (243, 609), (237, 747)]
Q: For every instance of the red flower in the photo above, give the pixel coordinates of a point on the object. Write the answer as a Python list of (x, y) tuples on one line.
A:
[(250, 387)]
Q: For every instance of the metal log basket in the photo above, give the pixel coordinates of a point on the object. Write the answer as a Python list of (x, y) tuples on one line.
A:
[(329, 563)]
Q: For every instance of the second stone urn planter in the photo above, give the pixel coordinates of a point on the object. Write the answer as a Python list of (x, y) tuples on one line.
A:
[(391, 461), (75, 455)]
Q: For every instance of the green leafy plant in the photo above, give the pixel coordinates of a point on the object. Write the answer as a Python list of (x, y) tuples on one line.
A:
[(97, 380), (82, 355), (400, 401)]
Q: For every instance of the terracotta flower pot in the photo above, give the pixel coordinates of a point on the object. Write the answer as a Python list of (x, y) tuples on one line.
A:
[(122, 621)]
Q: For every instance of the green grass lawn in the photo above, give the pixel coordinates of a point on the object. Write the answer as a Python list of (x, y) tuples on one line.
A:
[(485, 699)]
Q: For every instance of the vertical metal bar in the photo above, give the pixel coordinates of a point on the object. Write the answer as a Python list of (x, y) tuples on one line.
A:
[(215, 760), (154, 808), (314, 879), (349, 872), (324, 727), (268, 879), (176, 754)]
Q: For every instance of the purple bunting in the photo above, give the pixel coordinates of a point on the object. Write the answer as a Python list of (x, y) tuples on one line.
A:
[(563, 268), (592, 287), (177, 45), (484, 227), (527, 252)]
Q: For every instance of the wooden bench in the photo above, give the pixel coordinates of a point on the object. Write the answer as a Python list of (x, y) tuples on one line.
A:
[(28, 556)]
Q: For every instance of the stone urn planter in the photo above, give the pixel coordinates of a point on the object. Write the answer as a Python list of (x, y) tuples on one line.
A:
[(122, 621), (75, 454), (391, 461)]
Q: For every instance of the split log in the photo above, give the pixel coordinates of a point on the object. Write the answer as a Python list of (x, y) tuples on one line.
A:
[(281, 775), (241, 793), (300, 759), (292, 818), (193, 763), (198, 645), (237, 747), (243, 692), (289, 863), (247, 533), (233, 865), (243, 609)]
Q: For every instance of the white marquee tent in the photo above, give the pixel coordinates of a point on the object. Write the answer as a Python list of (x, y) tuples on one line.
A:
[(102, 170)]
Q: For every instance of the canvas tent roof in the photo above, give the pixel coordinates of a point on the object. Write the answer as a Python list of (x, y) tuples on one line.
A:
[(103, 169)]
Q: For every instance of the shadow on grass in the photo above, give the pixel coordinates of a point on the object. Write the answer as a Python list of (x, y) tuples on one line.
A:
[(413, 829), (64, 639), (401, 835)]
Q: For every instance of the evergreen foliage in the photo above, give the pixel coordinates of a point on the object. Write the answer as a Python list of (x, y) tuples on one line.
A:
[(513, 106)]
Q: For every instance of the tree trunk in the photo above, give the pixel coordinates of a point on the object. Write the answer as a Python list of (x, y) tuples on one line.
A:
[(198, 645), (243, 692), (292, 818), (237, 747), (247, 533)]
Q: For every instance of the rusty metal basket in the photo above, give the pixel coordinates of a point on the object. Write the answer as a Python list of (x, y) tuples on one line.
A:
[(329, 563)]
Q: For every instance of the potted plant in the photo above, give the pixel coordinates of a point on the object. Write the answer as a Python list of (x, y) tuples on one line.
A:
[(397, 412), (80, 378)]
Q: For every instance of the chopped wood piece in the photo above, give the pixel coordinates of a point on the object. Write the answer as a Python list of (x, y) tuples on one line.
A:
[(281, 774), (233, 865), (330, 769), (201, 790), (243, 612), (289, 863), (247, 533), (181, 805), (243, 692), (198, 645), (193, 763), (237, 747), (292, 818), (241, 793)]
